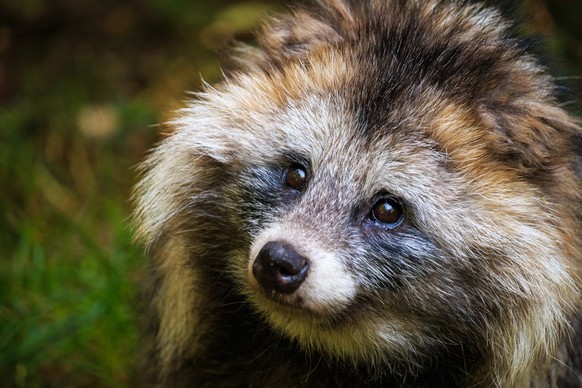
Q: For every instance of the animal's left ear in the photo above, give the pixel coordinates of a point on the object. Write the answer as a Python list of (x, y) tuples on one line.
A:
[(297, 35), (539, 139)]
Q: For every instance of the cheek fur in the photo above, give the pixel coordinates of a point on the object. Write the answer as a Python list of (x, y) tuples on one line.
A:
[(388, 260)]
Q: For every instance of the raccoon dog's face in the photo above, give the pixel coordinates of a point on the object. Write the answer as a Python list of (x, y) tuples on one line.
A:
[(381, 181), (367, 242)]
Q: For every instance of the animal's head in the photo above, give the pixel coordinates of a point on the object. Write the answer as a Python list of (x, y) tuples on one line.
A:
[(382, 181)]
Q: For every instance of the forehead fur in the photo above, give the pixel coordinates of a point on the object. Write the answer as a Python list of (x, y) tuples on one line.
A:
[(397, 65), (398, 45)]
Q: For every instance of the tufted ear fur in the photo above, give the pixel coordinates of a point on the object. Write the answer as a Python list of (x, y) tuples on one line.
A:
[(295, 36), (536, 141)]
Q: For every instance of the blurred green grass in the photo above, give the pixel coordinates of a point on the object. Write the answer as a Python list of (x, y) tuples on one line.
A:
[(82, 85)]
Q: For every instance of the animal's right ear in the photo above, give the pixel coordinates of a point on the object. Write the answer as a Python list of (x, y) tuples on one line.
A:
[(297, 35)]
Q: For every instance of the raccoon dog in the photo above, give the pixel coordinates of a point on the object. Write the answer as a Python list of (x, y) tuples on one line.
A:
[(384, 193)]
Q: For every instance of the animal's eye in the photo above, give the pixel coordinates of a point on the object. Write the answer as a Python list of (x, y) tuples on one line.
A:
[(295, 177), (387, 211)]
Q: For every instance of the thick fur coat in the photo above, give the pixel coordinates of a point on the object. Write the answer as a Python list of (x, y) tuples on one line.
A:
[(384, 193)]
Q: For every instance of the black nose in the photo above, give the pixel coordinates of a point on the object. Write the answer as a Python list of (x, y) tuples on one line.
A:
[(278, 267)]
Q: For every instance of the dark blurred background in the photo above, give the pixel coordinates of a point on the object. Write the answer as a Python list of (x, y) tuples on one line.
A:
[(82, 86)]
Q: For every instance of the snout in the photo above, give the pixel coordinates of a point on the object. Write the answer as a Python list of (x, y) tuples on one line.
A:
[(288, 267), (279, 268)]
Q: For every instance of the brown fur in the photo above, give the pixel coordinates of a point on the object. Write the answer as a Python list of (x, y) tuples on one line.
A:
[(433, 102)]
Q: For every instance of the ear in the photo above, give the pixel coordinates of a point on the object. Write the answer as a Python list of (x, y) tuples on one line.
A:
[(297, 35), (538, 140)]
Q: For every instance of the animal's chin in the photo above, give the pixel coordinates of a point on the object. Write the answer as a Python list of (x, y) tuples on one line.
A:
[(288, 311), (331, 334)]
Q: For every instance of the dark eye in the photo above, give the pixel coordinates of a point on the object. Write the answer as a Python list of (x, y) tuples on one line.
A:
[(387, 211), (295, 177)]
